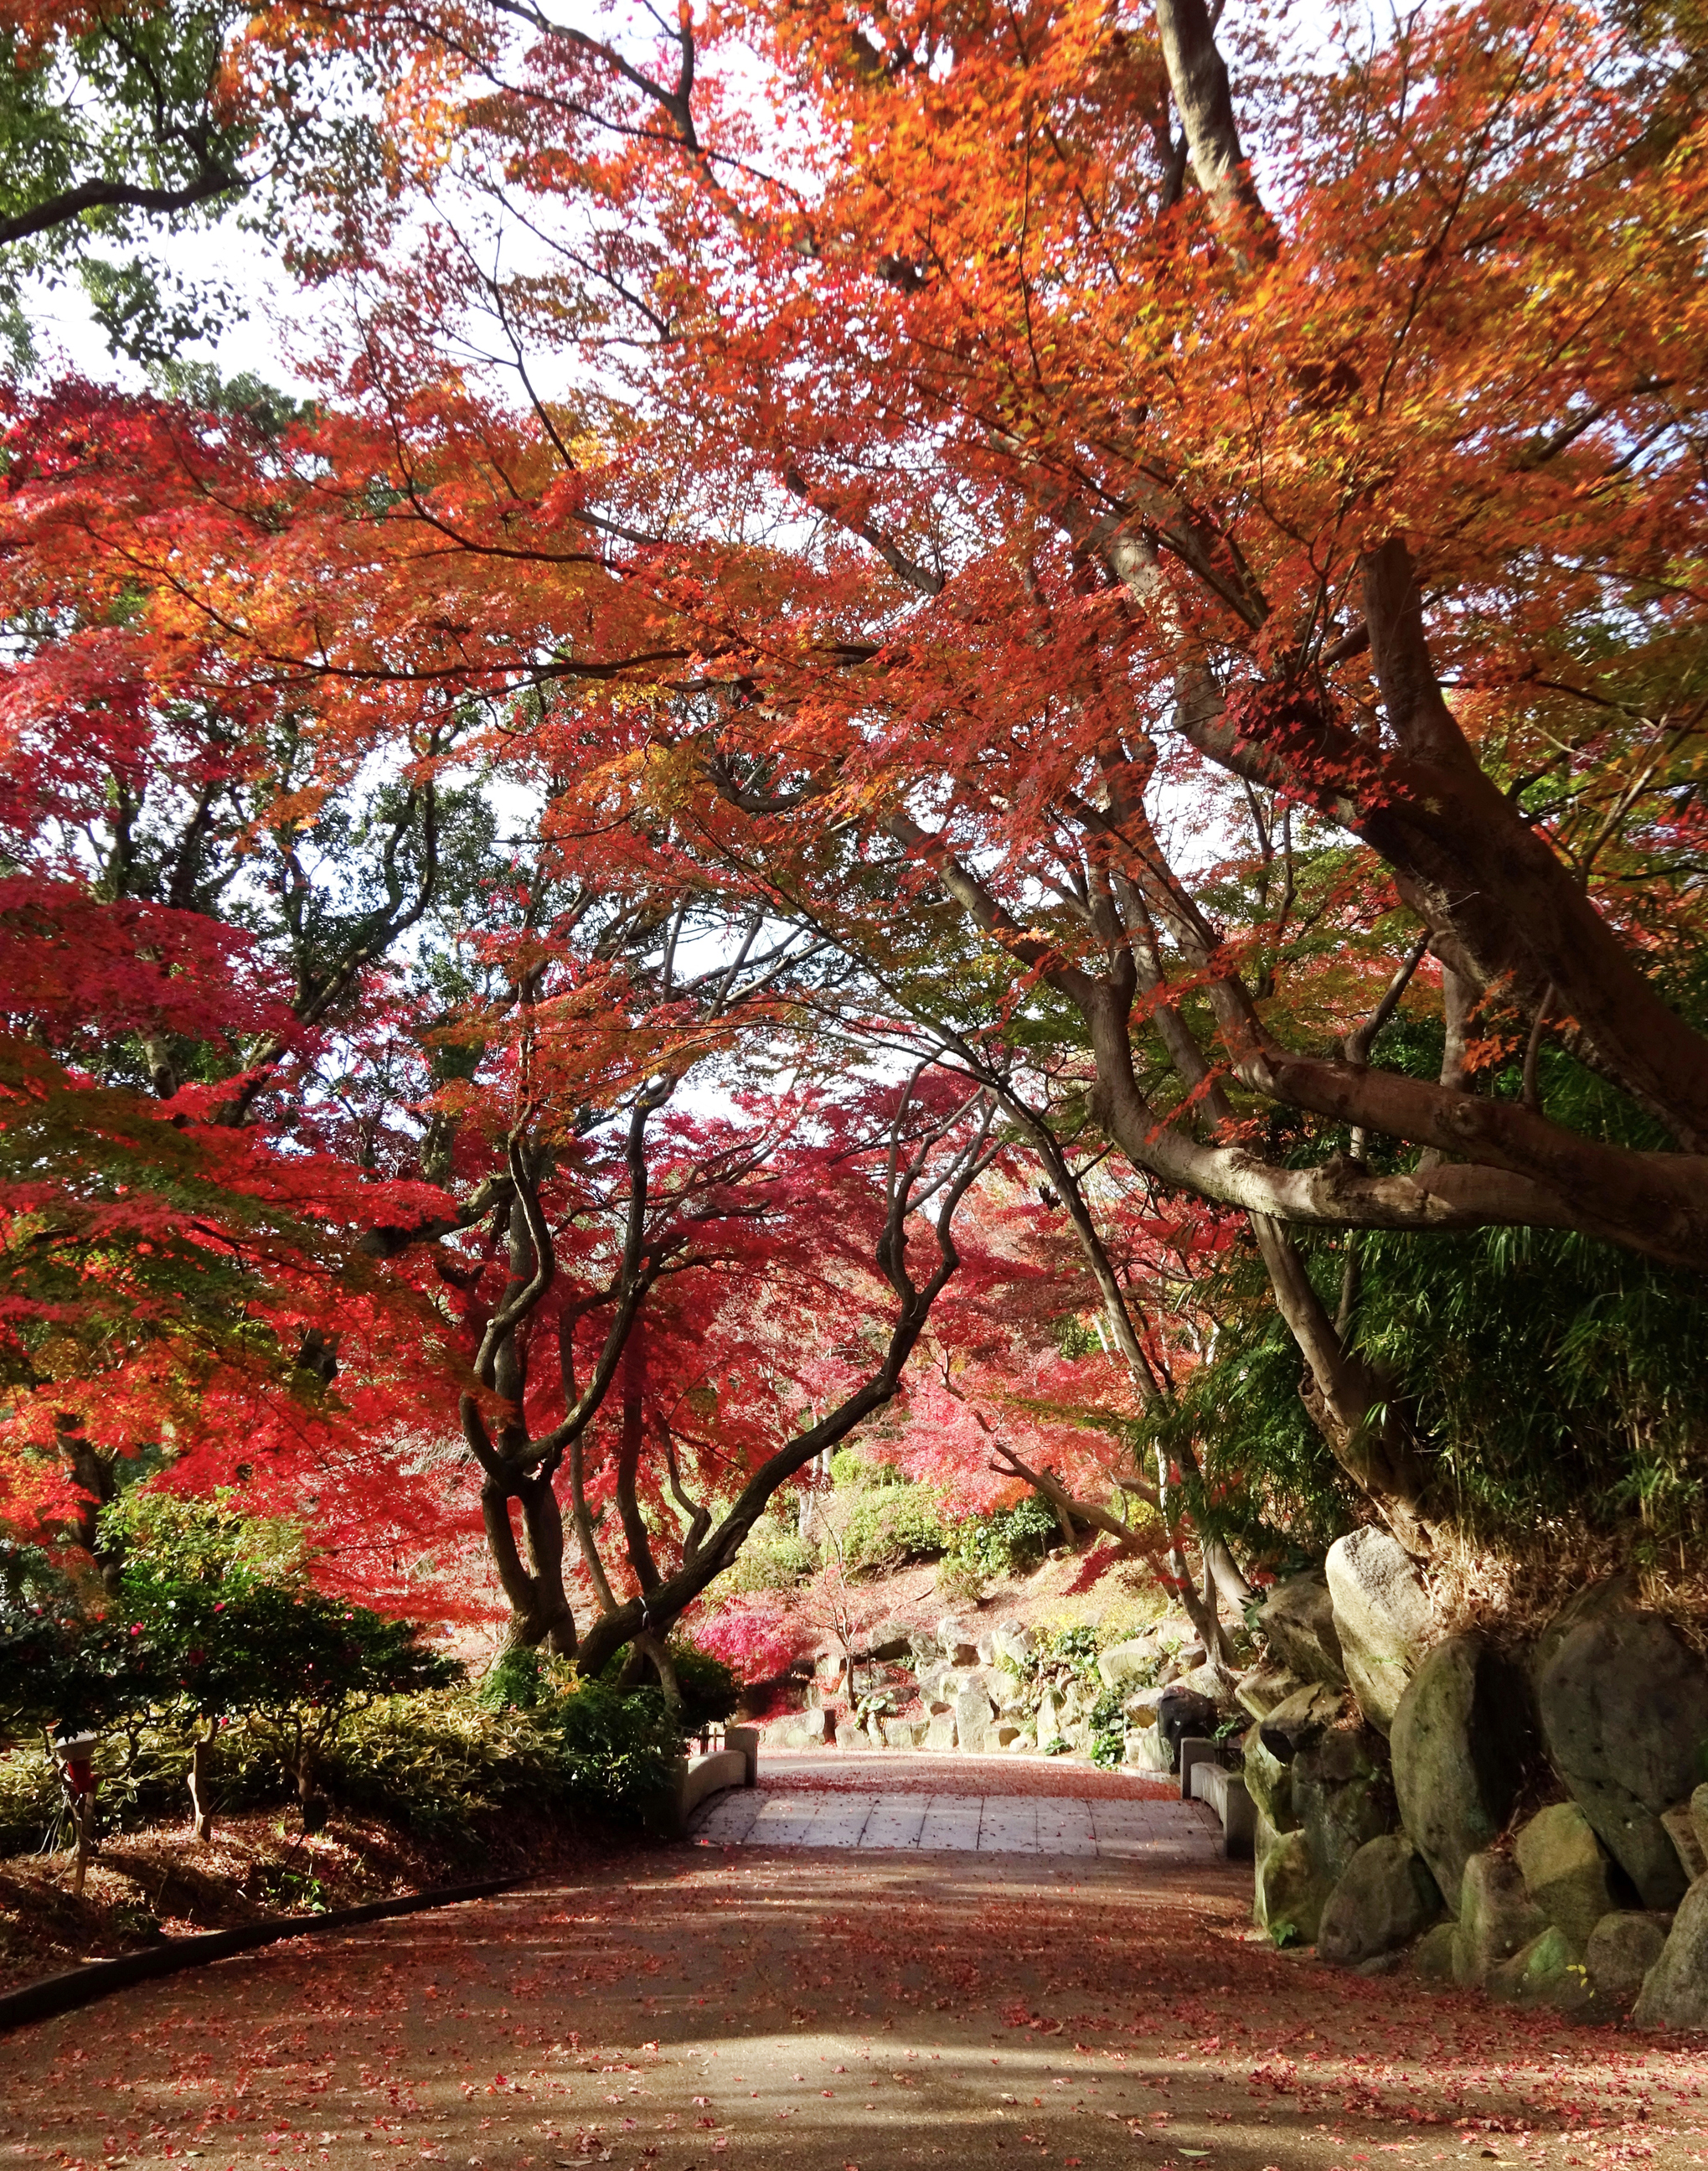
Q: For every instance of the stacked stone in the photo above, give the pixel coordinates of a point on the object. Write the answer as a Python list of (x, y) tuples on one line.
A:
[(1387, 1770)]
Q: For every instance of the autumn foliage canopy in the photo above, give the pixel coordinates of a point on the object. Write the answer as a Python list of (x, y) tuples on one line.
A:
[(938, 702)]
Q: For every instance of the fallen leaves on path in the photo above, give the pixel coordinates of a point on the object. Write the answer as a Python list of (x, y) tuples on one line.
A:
[(655, 2013)]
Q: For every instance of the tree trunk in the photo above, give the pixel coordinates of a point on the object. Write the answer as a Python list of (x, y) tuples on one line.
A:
[(1366, 1436), (539, 1606), (201, 1810), (83, 1818), (310, 1802)]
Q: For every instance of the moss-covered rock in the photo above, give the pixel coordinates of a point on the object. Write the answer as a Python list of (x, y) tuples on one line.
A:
[(1297, 1622), (1269, 1782), (1459, 1742), (1384, 1898), (1435, 1958), (1381, 1617), (1290, 1891), (1565, 1870), (1624, 1707), (1497, 1918), (1675, 1990), (1342, 1795), (1623, 1947), (1549, 1970)]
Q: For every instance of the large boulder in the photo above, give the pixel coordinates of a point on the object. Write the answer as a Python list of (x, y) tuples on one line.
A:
[(1269, 1782), (1289, 1889), (1623, 1947), (1005, 1689), (1259, 1689), (1624, 1707), (1004, 1639), (1299, 1720), (1384, 1898), (1547, 1971), (1145, 1750), (889, 1641), (1342, 1795), (958, 1642), (1498, 1918), (974, 1714), (1297, 1621), (1458, 1739), (1437, 1957), (1675, 1990), (1134, 1660), (1681, 1828), (1381, 1617), (1206, 1681), (1564, 1870)]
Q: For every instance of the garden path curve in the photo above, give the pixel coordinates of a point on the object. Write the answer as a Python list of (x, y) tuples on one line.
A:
[(839, 2008)]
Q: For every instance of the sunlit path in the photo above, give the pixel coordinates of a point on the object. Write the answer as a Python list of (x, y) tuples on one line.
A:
[(692, 2007), (1175, 1834)]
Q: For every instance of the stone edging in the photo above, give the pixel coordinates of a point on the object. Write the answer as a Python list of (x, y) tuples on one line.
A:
[(62, 1993)]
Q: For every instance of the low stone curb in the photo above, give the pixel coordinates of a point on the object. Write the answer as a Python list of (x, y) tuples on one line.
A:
[(63, 1993)]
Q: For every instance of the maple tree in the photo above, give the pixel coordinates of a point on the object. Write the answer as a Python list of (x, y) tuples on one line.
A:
[(352, 1116), (1127, 484), (1145, 627)]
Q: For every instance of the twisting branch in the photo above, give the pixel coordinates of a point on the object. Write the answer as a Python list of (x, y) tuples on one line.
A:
[(907, 1184)]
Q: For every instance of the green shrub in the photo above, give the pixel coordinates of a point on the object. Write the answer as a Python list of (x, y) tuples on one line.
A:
[(1007, 1542), (889, 1525), (771, 1559), (851, 1472), (204, 1623), (437, 1763), (29, 1799), (619, 1751), (710, 1691), (960, 1579), (1108, 1729), (1075, 1647), (512, 1681)]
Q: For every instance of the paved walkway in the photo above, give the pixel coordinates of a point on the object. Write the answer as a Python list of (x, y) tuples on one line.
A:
[(1176, 1835), (690, 2009)]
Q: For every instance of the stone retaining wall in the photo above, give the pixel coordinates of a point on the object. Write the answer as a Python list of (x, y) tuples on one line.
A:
[(1387, 1770)]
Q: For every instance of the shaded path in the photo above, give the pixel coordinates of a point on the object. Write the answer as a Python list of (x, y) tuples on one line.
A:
[(699, 2006)]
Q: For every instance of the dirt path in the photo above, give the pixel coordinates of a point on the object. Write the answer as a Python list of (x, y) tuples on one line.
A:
[(701, 2006)]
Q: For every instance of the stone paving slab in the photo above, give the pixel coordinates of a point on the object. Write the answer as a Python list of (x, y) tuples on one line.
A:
[(1170, 1834)]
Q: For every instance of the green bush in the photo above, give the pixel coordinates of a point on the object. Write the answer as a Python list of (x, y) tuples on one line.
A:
[(889, 1525), (203, 1624), (619, 1751), (1007, 1542), (960, 1579), (1075, 1647), (1108, 1729), (851, 1472), (438, 1763), (512, 1682), (29, 1799), (710, 1691), (771, 1559)]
